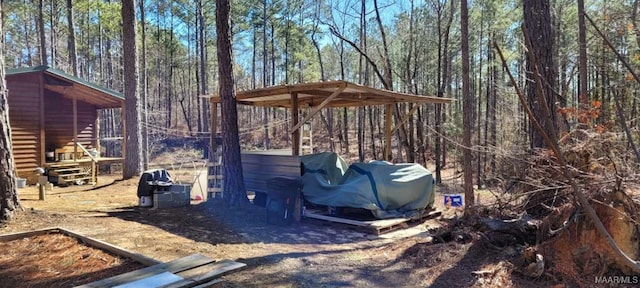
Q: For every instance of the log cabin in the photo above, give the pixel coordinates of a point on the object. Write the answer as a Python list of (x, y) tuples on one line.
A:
[(54, 124)]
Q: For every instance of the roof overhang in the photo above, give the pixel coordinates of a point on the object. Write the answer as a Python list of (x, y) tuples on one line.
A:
[(70, 86), (339, 94)]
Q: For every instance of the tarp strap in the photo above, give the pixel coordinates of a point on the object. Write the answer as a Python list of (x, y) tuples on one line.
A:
[(371, 181)]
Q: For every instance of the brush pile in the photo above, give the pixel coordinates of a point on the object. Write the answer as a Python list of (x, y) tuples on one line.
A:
[(537, 207)]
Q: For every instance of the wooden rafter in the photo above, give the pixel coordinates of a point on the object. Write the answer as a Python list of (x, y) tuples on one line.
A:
[(314, 94), (330, 94)]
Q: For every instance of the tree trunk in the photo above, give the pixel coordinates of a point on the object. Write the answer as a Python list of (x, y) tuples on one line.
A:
[(233, 184), (73, 58), (143, 91), (466, 110), (52, 34), (582, 65), (9, 201), (265, 110), (43, 43), (537, 21), (203, 75), (132, 161)]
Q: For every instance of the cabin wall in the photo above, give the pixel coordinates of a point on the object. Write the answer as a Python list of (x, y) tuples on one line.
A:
[(59, 122), (24, 118)]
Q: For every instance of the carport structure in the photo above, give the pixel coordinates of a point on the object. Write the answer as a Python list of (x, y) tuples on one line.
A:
[(328, 94)]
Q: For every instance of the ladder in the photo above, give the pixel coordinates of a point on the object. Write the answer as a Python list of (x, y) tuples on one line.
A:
[(214, 175), (306, 139)]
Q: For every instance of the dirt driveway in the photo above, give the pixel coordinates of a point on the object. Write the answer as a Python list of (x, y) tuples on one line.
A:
[(306, 254)]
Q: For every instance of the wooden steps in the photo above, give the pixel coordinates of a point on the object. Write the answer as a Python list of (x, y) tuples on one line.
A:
[(68, 170), (192, 271), (62, 164), (66, 173)]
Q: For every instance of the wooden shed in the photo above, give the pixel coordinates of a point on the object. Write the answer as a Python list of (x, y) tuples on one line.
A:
[(54, 122)]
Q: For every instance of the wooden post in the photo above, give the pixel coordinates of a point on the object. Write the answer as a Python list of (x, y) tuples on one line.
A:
[(295, 133), (317, 109), (297, 213), (94, 172), (41, 190), (75, 128), (387, 132), (43, 142), (96, 130), (94, 164)]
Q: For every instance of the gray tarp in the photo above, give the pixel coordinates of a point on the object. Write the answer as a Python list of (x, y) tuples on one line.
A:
[(388, 190)]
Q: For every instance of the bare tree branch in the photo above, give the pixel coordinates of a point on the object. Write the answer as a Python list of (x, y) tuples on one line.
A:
[(335, 32), (582, 199)]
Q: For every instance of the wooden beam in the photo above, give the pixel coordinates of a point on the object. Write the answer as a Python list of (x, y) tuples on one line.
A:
[(387, 132), (295, 136), (316, 109), (75, 127), (406, 118), (175, 266), (402, 97), (110, 248), (21, 235), (87, 240), (96, 130)]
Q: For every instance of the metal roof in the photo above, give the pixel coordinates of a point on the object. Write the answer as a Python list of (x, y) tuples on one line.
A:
[(69, 86)]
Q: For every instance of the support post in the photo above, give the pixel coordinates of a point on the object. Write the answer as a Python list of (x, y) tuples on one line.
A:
[(75, 128), (43, 141), (295, 131), (96, 128), (317, 109), (387, 132), (41, 189)]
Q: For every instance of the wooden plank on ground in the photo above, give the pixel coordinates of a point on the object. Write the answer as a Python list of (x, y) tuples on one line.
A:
[(175, 266), (205, 273), (314, 215), (428, 215), (20, 235), (373, 226), (111, 248)]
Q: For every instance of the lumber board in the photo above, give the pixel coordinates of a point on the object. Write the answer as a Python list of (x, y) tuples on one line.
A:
[(110, 248), (375, 226), (313, 215), (175, 266), (206, 273), (20, 235), (87, 240)]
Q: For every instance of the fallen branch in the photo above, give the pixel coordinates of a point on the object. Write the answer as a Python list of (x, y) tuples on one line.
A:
[(582, 199), (512, 226)]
